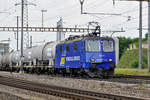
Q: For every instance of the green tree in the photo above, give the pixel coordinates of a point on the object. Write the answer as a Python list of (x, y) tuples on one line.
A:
[(146, 37), (123, 44)]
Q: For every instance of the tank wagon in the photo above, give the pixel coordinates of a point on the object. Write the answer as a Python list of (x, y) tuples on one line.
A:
[(89, 55), (36, 59)]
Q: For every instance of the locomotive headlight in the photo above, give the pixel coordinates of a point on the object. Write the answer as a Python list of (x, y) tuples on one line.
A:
[(92, 60), (110, 60)]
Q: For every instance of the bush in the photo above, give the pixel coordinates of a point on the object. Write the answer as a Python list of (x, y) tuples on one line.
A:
[(134, 64), (145, 64), (130, 59)]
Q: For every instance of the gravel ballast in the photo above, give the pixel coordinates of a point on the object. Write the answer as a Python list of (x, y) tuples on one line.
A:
[(136, 90), (10, 93), (7, 96)]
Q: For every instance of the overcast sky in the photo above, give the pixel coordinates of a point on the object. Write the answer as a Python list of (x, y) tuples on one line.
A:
[(69, 10)]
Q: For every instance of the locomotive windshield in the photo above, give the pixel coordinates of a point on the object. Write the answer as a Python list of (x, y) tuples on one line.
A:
[(108, 46), (92, 45)]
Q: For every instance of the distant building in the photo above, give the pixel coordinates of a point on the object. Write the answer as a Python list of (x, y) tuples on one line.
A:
[(145, 46), (60, 35), (133, 46), (4, 48)]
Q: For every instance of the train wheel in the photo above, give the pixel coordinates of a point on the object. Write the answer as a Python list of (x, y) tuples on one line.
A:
[(38, 71), (18, 70)]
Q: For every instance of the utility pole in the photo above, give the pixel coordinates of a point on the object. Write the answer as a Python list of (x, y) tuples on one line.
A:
[(30, 41), (140, 35), (17, 32), (81, 2), (43, 17), (25, 22), (22, 20), (148, 36)]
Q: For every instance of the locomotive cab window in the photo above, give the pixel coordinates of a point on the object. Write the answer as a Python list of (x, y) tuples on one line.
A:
[(92, 45), (75, 47), (108, 46), (68, 48)]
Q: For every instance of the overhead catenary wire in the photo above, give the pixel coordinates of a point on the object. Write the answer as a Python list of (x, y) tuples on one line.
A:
[(49, 20)]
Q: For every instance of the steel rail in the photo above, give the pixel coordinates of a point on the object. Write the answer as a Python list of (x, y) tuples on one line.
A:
[(132, 77)]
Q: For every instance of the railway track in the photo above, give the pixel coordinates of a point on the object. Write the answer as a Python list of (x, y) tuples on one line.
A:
[(132, 77), (74, 94)]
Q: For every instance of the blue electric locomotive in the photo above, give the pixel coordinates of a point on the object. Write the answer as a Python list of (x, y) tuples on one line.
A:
[(90, 55)]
